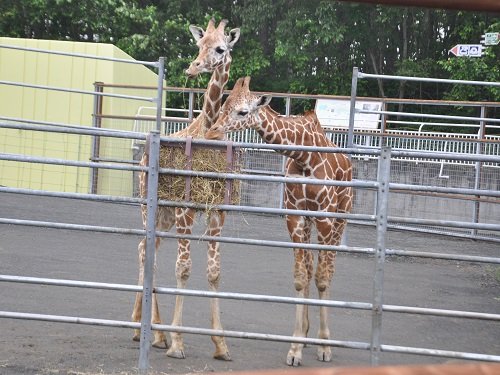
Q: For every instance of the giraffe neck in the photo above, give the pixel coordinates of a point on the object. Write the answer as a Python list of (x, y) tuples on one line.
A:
[(213, 96), (294, 130)]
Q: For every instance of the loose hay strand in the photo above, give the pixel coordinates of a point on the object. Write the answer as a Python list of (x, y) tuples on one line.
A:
[(207, 191)]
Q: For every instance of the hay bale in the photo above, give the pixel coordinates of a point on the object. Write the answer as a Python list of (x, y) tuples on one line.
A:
[(207, 191)]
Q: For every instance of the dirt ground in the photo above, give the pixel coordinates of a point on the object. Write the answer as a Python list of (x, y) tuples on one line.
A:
[(30, 347)]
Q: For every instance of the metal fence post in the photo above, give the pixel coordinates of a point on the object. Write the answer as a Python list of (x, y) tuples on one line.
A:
[(478, 166), (152, 205), (384, 170), (191, 106), (288, 106), (352, 110), (96, 140), (383, 125), (159, 94), (147, 288)]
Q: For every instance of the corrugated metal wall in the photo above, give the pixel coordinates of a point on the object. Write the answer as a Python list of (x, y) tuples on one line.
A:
[(62, 107)]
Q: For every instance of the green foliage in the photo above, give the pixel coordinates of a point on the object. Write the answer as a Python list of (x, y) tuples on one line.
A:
[(285, 45), (486, 68)]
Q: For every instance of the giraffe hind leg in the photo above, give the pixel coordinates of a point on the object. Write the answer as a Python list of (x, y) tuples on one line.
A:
[(184, 219), (299, 230), (159, 338), (215, 223), (329, 232), (323, 277)]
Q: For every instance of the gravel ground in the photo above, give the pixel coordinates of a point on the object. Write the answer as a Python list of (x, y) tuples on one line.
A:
[(31, 347)]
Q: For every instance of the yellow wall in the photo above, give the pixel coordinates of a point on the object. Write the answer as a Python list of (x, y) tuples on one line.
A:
[(68, 108)]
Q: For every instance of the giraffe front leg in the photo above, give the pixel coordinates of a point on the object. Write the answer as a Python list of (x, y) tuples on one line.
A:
[(184, 222), (137, 312), (159, 338), (216, 221)]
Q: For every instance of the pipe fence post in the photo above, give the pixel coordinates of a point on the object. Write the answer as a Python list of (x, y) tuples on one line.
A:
[(159, 93), (149, 262), (152, 207), (191, 106), (352, 110), (96, 140), (477, 167), (384, 169), (288, 106)]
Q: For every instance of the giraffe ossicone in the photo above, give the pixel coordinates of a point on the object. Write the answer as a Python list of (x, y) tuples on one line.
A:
[(214, 56), (244, 110)]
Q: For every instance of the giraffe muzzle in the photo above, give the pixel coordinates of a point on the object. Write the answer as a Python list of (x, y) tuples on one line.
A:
[(195, 68), (215, 133)]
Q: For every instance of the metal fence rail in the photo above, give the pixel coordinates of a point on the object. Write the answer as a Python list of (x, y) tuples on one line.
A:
[(377, 307), (381, 186)]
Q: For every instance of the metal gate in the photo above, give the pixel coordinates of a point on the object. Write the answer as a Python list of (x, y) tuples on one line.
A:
[(382, 188)]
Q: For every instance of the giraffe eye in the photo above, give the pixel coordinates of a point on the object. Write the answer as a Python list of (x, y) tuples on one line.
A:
[(242, 113), (220, 50)]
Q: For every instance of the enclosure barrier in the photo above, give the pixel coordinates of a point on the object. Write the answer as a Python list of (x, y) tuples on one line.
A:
[(357, 75), (438, 172), (382, 186), (377, 307)]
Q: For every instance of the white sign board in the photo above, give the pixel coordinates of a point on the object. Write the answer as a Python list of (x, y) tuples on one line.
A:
[(469, 50), (491, 39), (334, 113)]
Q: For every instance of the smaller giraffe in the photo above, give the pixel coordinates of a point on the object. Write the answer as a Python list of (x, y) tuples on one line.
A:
[(242, 110)]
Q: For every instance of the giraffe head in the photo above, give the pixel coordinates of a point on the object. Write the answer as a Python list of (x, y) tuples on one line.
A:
[(240, 110), (214, 47)]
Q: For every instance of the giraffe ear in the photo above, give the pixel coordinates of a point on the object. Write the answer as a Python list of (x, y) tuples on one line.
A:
[(263, 101), (197, 32), (233, 37)]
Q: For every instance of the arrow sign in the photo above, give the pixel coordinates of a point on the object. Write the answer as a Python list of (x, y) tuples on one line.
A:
[(469, 50)]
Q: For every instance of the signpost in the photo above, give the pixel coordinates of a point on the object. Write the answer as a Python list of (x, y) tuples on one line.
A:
[(490, 39), (469, 50), (476, 50)]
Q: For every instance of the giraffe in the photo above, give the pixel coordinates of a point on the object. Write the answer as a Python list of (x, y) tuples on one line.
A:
[(214, 56), (243, 110)]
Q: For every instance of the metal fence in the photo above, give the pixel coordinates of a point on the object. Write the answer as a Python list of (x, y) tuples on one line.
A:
[(431, 170), (380, 184)]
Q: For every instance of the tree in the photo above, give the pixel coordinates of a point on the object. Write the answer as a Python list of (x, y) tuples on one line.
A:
[(285, 45)]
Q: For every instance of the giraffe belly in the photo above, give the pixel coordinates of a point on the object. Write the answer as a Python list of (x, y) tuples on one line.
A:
[(310, 197)]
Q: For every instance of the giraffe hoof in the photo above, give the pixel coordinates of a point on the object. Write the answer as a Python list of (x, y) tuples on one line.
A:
[(294, 361), (324, 354), (176, 354), (161, 343), (223, 356)]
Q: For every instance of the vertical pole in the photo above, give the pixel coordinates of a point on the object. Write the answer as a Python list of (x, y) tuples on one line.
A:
[(383, 125), (352, 109), (152, 205), (288, 106), (288, 110), (384, 169), (478, 166), (96, 140), (159, 94), (282, 185), (191, 106), (147, 288)]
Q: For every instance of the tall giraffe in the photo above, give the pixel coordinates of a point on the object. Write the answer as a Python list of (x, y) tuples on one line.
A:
[(214, 56), (242, 110)]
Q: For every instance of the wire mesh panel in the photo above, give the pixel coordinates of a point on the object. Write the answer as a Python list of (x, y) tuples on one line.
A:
[(261, 193)]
